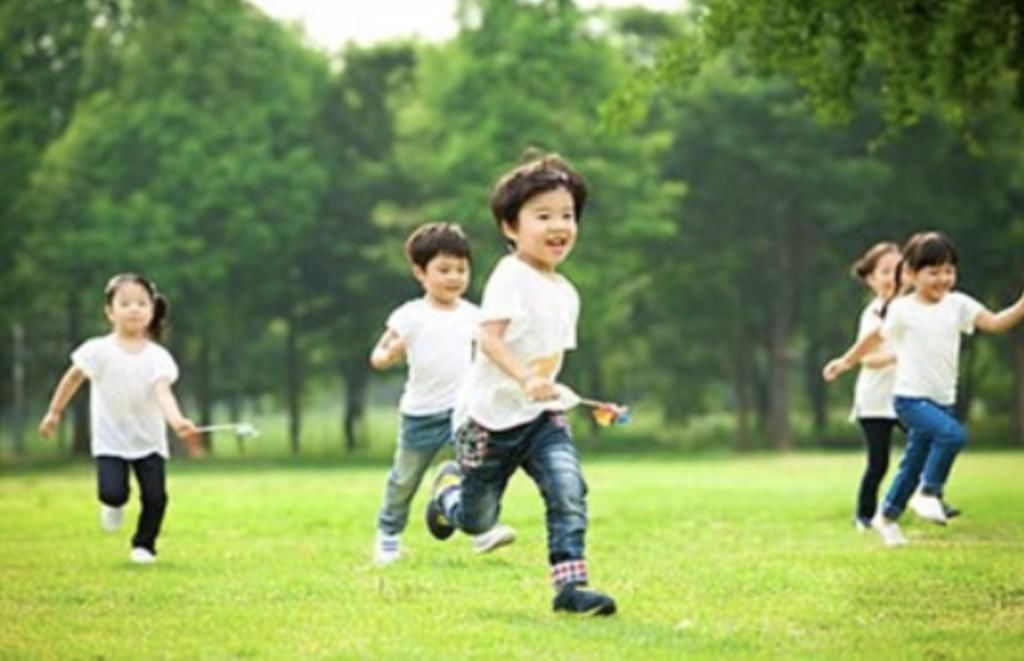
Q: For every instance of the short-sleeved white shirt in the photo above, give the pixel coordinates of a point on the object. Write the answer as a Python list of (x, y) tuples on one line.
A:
[(872, 395), (541, 310), (126, 417), (439, 345), (927, 341)]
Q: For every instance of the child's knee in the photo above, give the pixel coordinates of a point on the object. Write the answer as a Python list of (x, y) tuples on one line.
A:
[(955, 437), (157, 500), (113, 496)]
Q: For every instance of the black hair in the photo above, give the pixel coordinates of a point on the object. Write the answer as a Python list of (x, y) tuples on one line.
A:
[(539, 175), (922, 250), (161, 306), (433, 239)]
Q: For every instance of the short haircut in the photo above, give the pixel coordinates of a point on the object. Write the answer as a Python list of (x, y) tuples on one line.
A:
[(540, 175), (433, 239)]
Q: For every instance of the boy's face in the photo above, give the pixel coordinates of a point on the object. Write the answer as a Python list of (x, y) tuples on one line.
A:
[(933, 282), (546, 229), (445, 278)]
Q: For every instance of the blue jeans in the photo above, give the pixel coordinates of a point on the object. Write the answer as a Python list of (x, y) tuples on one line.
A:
[(419, 440), (544, 449), (934, 438)]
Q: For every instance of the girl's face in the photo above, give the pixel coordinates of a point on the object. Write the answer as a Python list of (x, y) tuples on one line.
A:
[(445, 279), (882, 280), (130, 310), (932, 283), (546, 229)]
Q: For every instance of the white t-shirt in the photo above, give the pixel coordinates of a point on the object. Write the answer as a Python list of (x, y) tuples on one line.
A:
[(126, 418), (872, 396), (542, 309), (438, 350), (927, 341)]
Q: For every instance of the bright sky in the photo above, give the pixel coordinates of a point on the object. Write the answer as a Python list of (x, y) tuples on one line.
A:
[(331, 23)]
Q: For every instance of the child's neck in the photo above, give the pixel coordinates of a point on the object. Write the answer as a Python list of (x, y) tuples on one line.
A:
[(541, 267), (439, 304), (129, 339), (924, 300)]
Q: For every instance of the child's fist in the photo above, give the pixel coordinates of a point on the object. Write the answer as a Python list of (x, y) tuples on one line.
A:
[(49, 424), (539, 389), (186, 431), (833, 369)]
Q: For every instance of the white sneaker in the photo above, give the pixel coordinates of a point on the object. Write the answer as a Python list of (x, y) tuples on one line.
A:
[(498, 536), (889, 530), (141, 556), (928, 508), (388, 549), (111, 518)]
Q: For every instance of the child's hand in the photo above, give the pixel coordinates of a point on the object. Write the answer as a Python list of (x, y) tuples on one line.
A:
[(834, 369), (186, 431), (49, 423), (539, 389)]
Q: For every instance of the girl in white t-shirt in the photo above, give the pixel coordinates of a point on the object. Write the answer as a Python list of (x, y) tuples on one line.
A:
[(131, 402), (925, 328), (872, 400), (435, 334)]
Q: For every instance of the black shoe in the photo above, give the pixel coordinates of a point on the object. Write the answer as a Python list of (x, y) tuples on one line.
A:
[(950, 510), (448, 477), (575, 598)]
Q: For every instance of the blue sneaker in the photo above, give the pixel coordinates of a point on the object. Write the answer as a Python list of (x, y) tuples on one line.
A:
[(448, 477)]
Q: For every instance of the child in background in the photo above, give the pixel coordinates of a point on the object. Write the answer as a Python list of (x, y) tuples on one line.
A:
[(925, 328), (872, 400), (131, 403), (529, 315), (435, 333)]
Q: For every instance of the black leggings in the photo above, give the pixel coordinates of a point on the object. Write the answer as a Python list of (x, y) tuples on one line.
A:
[(112, 475), (878, 437)]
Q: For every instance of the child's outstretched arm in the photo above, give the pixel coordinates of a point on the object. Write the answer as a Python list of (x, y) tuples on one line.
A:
[(864, 346), (66, 389), (1002, 321), (182, 426), (492, 343), (389, 350)]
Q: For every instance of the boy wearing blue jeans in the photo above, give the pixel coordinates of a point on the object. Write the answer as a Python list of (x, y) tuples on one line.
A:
[(435, 333), (503, 419)]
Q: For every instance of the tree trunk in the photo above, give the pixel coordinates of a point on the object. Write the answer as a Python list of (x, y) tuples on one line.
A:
[(294, 381), (779, 433), (18, 387), (80, 406), (357, 380), (817, 393), (1017, 346), (965, 387), (742, 378), (204, 386)]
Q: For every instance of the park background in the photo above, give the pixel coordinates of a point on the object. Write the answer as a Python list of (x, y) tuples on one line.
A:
[(741, 154)]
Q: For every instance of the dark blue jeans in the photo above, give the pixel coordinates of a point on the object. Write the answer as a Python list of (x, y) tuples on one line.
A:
[(420, 439), (113, 490), (544, 449), (934, 438)]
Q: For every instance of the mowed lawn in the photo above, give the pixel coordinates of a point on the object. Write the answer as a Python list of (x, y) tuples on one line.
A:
[(750, 557)]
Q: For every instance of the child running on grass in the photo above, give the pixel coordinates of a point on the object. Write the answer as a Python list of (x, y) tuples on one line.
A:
[(925, 328), (131, 402), (435, 334), (529, 315)]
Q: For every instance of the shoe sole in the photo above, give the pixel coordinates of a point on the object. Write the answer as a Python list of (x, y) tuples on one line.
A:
[(605, 609), (504, 540)]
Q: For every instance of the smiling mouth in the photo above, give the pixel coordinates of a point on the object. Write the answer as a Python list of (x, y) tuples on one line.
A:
[(557, 242)]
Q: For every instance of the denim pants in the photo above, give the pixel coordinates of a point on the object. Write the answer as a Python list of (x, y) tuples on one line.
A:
[(934, 438), (112, 483), (544, 449), (419, 440)]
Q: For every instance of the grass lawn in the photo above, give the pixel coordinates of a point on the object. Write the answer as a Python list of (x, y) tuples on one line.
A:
[(750, 557)]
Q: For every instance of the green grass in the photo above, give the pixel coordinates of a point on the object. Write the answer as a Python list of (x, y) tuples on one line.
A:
[(747, 557)]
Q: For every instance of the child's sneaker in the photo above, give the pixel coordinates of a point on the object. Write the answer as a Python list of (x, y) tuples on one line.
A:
[(111, 518), (498, 536), (575, 598), (889, 530), (387, 550), (141, 556), (950, 510), (928, 508), (448, 477)]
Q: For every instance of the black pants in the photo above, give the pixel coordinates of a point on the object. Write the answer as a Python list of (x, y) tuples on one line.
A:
[(878, 438), (112, 474)]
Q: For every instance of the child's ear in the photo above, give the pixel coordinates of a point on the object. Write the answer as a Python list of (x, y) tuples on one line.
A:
[(419, 272), (509, 229)]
